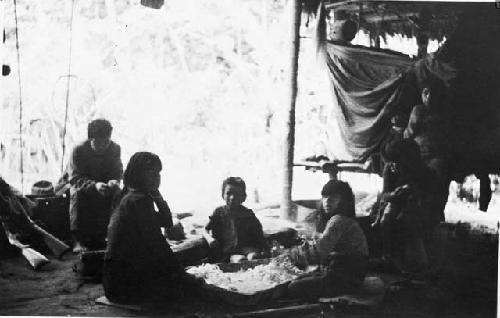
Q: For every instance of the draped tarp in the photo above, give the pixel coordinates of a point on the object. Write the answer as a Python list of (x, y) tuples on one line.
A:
[(369, 86), (365, 86)]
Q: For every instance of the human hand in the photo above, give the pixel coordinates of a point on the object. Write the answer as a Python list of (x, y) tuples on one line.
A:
[(393, 167), (102, 188), (156, 195), (253, 255), (113, 183), (213, 244), (401, 190), (237, 258), (297, 257)]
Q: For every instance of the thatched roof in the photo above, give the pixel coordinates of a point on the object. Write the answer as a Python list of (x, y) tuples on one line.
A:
[(404, 18)]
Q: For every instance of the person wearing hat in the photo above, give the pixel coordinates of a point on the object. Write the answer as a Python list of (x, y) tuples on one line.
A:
[(42, 188), (94, 173), (341, 247)]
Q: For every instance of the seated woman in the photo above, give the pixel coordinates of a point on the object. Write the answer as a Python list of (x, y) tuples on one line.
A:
[(139, 264), (237, 231), (403, 211), (342, 247)]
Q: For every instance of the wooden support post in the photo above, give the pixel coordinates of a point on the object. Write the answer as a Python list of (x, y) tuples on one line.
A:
[(422, 42), (377, 41), (360, 16), (1, 43), (286, 201), (376, 38), (424, 18)]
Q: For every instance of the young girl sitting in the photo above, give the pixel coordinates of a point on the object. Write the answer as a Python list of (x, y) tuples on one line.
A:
[(237, 231), (139, 264), (342, 248)]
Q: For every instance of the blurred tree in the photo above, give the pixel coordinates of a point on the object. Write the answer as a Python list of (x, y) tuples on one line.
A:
[(200, 82)]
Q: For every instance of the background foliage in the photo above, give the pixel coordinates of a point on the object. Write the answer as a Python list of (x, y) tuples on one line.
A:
[(202, 83)]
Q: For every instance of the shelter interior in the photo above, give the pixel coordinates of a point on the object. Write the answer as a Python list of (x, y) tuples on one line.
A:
[(463, 256)]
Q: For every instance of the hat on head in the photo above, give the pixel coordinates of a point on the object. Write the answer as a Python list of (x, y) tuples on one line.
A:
[(42, 187)]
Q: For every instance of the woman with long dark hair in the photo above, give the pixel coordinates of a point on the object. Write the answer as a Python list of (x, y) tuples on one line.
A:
[(139, 264), (342, 247)]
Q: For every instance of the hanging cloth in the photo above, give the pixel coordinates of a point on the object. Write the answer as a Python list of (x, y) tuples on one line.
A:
[(369, 86)]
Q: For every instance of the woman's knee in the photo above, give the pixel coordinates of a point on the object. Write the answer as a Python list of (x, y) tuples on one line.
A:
[(308, 288)]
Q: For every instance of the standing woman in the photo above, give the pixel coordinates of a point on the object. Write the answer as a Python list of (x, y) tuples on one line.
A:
[(428, 127), (139, 264)]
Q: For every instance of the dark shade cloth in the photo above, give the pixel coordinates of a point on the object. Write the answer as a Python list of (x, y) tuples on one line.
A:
[(236, 230), (369, 86), (90, 211), (139, 263)]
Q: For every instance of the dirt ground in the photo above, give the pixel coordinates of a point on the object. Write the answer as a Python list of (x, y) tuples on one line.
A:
[(466, 287)]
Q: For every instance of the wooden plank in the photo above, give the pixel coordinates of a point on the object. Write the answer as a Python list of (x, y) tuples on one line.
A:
[(34, 258), (103, 300), (281, 312)]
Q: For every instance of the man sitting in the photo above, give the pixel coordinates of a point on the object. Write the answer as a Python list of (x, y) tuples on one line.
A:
[(94, 172)]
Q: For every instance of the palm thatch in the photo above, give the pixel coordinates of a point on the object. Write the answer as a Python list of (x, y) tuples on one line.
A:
[(405, 18)]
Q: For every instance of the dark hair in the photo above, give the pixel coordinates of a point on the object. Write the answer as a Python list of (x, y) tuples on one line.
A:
[(137, 166), (437, 89), (235, 182), (398, 120), (398, 150), (433, 83), (99, 128), (391, 150), (337, 187), (5, 188)]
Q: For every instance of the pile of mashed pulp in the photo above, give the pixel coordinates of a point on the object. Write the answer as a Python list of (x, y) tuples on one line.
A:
[(250, 281)]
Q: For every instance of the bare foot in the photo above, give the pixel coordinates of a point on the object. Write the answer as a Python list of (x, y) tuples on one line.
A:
[(79, 248), (236, 258)]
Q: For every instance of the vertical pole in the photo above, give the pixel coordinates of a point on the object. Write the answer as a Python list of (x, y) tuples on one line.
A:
[(2, 58), (286, 201), (424, 18), (21, 144), (377, 42), (360, 16), (422, 42), (376, 39), (1, 43), (68, 83)]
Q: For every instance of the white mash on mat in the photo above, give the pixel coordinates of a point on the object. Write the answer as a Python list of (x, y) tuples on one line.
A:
[(250, 281)]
